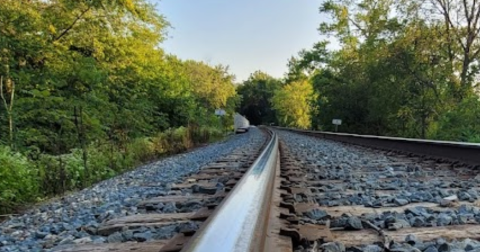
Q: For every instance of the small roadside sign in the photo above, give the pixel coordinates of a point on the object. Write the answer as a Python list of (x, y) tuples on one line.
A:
[(336, 122)]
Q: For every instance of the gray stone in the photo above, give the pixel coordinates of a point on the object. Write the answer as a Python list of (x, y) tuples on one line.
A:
[(169, 208), (475, 210), (372, 248), (91, 229), (332, 247), (338, 222), (128, 235), (402, 247), (98, 240), (415, 211), (115, 237), (464, 209), (412, 239), (443, 219), (353, 223), (464, 196), (431, 249), (317, 214), (473, 193), (378, 203), (417, 222), (67, 240), (468, 244), (445, 203), (332, 203), (401, 202), (40, 235), (187, 227), (398, 224), (142, 237), (445, 247), (83, 240), (193, 203), (207, 190)]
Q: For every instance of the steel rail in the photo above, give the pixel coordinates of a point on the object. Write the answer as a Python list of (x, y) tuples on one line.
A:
[(457, 151), (239, 223)]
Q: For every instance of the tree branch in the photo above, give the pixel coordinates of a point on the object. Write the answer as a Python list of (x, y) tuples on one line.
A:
[(358, 27), (477, 18), (12, 96), (467, 14), (72, 24), (446, 14)]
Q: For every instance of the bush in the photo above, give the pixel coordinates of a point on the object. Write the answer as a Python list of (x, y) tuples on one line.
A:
[(17, 183), (461, 123), (23, 179)]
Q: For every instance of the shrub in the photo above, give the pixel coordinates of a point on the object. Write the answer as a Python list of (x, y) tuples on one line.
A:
[(462, 123), (23, 179), (17, 173)]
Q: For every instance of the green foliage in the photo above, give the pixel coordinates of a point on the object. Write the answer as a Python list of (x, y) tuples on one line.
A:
[(18, 182), (256, 93), (461, 123), (398, 73), (86, 91), (212, 86), (403, 68), (26, 179), (293, 104)]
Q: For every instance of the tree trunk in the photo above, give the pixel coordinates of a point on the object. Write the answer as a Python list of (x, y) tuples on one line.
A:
[(81, 139), (463, 89), (10, 128), (8, 107)]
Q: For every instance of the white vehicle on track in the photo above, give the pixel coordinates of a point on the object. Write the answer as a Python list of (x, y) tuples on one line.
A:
[(240, 123)]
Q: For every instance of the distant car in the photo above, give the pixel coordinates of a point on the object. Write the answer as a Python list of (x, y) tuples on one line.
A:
[(240, 123)]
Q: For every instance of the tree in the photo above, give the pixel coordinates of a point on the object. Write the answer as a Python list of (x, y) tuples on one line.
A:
[(257, 92), (212, 85), (292, 104), (461, 30)]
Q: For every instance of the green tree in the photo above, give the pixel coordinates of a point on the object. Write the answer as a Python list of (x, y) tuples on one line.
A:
[(257, 92), (292, 104)]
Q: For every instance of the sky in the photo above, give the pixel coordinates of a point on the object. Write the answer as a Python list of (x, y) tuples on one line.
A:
[(246, 35)]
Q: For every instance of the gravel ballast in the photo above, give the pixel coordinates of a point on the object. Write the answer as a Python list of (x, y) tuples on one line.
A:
[(74, 219), (384, 180)]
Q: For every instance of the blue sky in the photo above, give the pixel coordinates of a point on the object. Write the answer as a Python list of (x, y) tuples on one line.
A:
[(247, 35)]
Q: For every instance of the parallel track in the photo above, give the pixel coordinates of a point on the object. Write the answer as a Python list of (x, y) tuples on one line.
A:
[(317, 212)]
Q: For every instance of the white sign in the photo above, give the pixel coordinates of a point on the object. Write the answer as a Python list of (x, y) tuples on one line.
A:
[(337, 121), (220, 112)]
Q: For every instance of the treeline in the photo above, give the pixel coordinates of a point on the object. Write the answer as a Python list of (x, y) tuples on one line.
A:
[(404, 68), (86, 93)]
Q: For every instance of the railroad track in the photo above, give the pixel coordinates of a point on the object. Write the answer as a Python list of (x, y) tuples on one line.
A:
[(312, 194), (194, 201), (339, 197)]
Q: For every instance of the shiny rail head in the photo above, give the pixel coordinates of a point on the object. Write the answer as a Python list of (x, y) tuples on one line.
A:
[(239, 223)]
